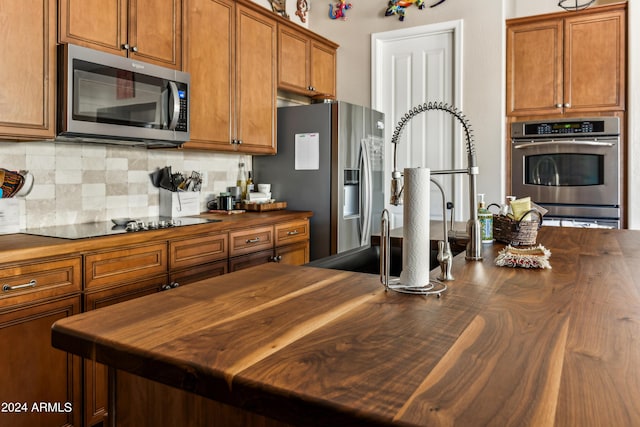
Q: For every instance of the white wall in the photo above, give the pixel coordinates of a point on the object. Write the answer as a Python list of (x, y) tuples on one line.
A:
[(483, 70), (482, 88)]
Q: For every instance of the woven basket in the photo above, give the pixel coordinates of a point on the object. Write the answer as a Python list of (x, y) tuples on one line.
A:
[(517, 233)]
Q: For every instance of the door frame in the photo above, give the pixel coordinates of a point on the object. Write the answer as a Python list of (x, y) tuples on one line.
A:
[(378, 41)]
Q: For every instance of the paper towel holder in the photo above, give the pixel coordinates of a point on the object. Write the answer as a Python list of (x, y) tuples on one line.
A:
[(433, 287)]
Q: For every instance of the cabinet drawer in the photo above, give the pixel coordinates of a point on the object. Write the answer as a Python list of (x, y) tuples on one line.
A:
[(124, 265), (253, 240), (42, 279), (290, 232), (200, 250)]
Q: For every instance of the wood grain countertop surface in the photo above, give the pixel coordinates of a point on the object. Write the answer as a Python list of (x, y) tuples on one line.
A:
[(315, 347), (20, 246)]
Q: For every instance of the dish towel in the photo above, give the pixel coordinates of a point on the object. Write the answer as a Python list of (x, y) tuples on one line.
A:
[(534, 257)]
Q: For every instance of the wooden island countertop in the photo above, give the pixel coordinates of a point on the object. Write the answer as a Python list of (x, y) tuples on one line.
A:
[(317, 347)]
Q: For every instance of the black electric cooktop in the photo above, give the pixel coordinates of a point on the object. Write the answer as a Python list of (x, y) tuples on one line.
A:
[(108, 228)]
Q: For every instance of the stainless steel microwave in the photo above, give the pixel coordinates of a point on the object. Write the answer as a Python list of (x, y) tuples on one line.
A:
[(111, 99)]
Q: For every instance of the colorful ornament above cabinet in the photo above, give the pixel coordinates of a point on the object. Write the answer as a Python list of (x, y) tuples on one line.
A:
[(398, 7), (341, 7)]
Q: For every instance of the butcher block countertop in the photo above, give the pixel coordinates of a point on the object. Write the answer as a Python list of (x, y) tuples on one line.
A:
[(20, 247), (318, 347)]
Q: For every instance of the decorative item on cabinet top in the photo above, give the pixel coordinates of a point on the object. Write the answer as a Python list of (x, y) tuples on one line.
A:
[(302, 7), (280, 7), (575, 5), (398, 7)]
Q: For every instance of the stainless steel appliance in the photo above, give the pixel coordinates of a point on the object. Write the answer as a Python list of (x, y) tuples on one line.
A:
[(569, 166), (329, 161), (109, 98)]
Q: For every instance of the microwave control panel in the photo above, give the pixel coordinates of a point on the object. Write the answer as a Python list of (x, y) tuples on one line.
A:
[(183, 115)]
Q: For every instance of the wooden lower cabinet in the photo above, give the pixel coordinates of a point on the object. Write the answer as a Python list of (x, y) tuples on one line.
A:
[(95, 374), (296, 254), (196, 258), (287, 242), (199, 272), (143, 403), (250, 260), (40, 385)]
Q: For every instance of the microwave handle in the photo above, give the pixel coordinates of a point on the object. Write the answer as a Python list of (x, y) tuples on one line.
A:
[(571, 142), (174, 110)]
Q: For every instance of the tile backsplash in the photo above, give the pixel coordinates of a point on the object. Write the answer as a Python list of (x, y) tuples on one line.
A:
[(79, 182)]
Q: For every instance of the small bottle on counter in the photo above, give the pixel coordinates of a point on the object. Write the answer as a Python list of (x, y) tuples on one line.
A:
[(242, 180), (486, 221), (505, 209), (249, 183)]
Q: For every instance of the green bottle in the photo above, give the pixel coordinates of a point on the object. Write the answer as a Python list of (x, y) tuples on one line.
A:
[(486, 221)]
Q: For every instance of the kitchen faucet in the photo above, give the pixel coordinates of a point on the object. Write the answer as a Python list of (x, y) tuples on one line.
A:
[(473, 247)]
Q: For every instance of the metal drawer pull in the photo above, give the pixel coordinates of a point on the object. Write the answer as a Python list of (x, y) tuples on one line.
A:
[(292, 233), (255, 240), (7, 288)]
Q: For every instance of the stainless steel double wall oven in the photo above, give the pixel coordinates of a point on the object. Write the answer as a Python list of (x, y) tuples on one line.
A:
[(571, 167)]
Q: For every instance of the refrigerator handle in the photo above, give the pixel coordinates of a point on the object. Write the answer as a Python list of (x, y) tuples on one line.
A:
[(366, 194)]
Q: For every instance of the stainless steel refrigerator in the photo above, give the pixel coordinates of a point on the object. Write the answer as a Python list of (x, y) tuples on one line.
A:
[(329, 161)]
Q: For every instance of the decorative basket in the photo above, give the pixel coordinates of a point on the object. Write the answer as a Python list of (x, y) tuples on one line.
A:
[(517, 233)]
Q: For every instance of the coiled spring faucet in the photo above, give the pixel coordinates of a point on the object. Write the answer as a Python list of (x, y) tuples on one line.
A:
[(474, 247)]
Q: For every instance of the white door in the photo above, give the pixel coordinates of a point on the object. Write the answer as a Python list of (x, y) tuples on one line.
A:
[(410, 67)]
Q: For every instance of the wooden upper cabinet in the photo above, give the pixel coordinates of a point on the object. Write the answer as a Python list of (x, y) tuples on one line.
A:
[(564, 63), (306, 65), (256, 84), (148, 30), (28, 69), (209, 28), (230, 52)]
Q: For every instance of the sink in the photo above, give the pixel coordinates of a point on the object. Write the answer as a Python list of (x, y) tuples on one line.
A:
[(365, 260)]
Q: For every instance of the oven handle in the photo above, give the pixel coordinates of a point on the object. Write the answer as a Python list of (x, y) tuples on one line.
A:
[(572, 142)]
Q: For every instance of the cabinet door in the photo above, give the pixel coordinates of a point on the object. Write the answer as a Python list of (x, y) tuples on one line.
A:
[(209, 58), (594, 62), (155, 30), (293, 60), (95, 374), (27, 69), (256, 83), (250, 260), (98, 24), (295, 254), (199, 272), (534, 68), (323, 69), (32, 371)]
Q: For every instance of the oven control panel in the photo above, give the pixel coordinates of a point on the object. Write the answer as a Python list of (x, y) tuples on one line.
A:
[(553, 128), (567, 127)]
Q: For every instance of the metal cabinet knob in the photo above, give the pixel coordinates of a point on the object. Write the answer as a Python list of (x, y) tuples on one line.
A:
[(134, 48), (567, 105), (558, 105), (125, 46)]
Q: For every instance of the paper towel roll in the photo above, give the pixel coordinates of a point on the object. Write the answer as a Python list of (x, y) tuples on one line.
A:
[(416, 246)]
